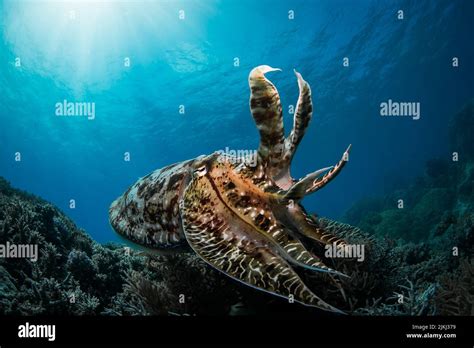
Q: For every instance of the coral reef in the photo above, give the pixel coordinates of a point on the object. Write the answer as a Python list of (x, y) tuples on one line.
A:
[(432, 240), (74, 275), (456, 292), (434, 202), (418, 261)]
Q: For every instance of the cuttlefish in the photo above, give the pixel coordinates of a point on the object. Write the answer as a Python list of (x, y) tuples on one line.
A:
[(245, 220)]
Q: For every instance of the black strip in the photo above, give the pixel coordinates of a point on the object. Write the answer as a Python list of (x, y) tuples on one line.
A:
[(242, 330)]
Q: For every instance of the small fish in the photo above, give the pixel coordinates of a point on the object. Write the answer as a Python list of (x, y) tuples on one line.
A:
[(245, 221)]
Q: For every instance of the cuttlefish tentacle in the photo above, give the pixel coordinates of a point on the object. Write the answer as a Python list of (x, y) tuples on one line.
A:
[(319, 183), (276, 152), (315, 181), (298, 190), (267, 113), (302, 117)]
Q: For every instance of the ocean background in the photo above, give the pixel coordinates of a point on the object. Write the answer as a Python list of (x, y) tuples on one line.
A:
[(75, 51)]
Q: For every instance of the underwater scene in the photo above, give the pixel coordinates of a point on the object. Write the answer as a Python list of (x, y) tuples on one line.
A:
[(236, 158)]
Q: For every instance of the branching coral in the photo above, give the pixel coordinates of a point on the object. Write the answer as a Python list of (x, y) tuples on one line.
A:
[(456, 291), (75, 275), (407, 301)]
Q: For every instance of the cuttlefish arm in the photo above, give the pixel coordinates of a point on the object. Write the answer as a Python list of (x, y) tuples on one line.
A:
[(266, 110), (315, 181), (275, 151), (301, 119), (320, 182), (306, 225), (296, 216), (228, 243)]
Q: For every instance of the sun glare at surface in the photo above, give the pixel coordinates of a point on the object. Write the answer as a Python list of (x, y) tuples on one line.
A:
[(87, 43)]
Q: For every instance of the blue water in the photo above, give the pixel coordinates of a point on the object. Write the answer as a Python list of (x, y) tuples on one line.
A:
[(75, 50)]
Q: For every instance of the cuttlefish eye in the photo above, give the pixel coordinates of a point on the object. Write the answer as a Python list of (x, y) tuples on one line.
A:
[(200, 171)]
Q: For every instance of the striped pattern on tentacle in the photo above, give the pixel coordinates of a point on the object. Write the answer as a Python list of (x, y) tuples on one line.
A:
[(234, 247), (303, 114), (267, 112), (275, 151), (322, 181), (301, 119), (313, 181)]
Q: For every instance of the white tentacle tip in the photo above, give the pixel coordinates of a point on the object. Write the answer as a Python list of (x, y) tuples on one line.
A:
[(267, 68), (301, 81)]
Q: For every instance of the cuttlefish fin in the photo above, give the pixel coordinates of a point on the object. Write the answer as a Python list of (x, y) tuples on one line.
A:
[(267, 113), (236, 248)]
